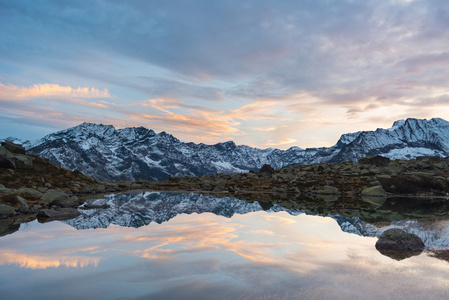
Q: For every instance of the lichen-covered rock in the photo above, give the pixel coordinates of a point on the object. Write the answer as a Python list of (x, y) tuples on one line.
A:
[(53, 195), (398, 239), (6, 211), (374, 191)]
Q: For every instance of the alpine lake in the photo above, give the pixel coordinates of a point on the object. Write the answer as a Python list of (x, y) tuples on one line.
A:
[(154, 245)]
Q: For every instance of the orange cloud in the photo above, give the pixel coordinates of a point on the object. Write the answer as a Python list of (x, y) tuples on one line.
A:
[(45, 261), (282, 142), (14, 92)]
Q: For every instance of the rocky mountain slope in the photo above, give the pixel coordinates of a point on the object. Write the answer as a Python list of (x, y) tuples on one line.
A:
[(108, 154)]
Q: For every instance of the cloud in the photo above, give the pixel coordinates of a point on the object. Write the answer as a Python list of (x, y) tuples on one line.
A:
[(282, 142), (45, 261), (49, 90), (230, 66)]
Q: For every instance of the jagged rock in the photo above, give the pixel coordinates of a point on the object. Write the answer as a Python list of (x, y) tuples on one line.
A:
[(6, 211), (54, 195), (58, 213), (14, 148), (266, 170), (398, 239), (376, 191)]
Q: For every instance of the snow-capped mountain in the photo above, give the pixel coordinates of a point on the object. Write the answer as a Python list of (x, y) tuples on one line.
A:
[(108, 154)]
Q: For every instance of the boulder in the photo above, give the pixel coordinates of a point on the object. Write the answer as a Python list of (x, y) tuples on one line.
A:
[(398, 239), (65, 203), (374, 191), (53, 195), (266, 170), (61, 213), (7, 160), (30, 191), (14, 148), (7, 226), (6, 211)]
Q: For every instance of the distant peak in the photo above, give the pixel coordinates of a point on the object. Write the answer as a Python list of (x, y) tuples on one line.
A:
[(398, 123)]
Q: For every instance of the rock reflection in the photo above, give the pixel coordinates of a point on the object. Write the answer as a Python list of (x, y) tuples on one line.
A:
[(398, 254)]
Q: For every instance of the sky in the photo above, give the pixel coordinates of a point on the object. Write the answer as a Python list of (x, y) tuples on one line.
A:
[(261, 73)]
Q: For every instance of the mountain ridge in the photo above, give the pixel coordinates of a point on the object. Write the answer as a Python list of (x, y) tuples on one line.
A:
[(133, 153)]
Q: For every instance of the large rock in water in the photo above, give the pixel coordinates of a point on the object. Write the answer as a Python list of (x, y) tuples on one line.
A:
[(54, 195), (398, 239)]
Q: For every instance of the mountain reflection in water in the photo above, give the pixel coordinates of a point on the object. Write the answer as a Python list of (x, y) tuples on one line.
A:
[(140, 209), (187, 246)]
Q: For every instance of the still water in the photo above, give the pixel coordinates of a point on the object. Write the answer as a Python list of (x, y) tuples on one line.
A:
[(189, 246)]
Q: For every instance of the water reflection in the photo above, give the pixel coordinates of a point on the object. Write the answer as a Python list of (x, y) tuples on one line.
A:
[(140, 209), (186, 246)]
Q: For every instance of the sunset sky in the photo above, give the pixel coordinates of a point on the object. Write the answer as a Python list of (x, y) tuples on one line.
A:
[(262, 73)]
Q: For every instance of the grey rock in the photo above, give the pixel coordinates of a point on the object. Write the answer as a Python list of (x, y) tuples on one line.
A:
[(328, 190), (14, 148), (58, 213), (24, 206), (398, 239), (53, 195), (6, 211), (376, 191), (266, 170), (29, 191)]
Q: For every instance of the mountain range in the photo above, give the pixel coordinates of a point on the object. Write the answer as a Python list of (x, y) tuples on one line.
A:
[(109, 154)]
